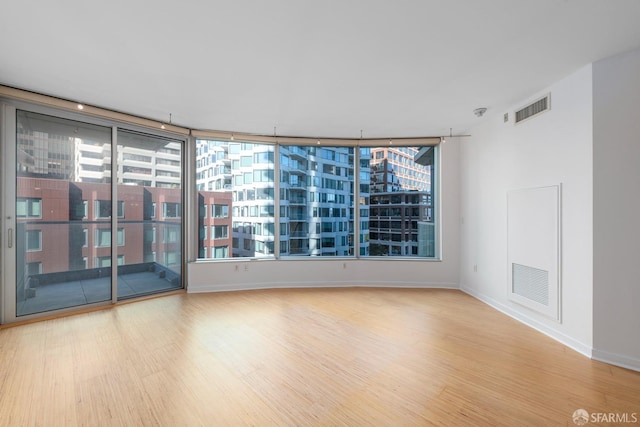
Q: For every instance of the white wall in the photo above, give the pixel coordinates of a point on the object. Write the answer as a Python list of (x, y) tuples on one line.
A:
[(616, 310), (554, 147), (247, 274)]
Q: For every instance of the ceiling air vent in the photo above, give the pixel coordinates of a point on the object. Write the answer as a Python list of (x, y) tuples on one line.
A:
[(537, 107)]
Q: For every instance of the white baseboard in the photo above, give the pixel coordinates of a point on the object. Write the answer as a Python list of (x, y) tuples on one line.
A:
[(616, 359), (223, 287), (550, 332)]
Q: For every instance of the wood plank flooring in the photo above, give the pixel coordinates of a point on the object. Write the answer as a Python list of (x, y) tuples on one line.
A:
[(305, 357)]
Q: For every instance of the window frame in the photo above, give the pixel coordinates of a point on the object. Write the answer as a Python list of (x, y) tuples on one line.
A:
[(28, 241), (357, 217), (178, 209), (97, 208), (28, 205), (120, 237), (224, 208)]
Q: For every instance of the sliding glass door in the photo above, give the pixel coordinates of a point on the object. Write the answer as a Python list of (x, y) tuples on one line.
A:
[(150, 218), (61, 235), (71, 230)]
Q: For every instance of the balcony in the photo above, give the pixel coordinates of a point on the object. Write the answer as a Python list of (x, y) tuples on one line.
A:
[(298, 152), (93, 175), (303, 250), (297, 200), (298, 171), (168, 167), (168, 180), (55, 291), (91, 161)]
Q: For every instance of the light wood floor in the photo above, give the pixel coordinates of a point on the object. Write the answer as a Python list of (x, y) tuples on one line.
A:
[(329, 357)]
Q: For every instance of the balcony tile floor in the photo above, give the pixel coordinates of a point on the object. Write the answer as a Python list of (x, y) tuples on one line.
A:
[(81, 292)]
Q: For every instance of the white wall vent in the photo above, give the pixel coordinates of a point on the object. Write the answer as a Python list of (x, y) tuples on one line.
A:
[(531, 283), (541, 105), (533, 249)]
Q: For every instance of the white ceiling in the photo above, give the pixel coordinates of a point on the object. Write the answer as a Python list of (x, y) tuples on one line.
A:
[(322, 68)]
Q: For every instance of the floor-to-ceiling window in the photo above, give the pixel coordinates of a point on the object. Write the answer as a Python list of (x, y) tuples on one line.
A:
[(98, 207), (402, 217), (342, 200), (317, 191), (236, 199)]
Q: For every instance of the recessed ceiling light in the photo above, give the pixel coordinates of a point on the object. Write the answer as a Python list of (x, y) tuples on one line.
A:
[(80, 107)]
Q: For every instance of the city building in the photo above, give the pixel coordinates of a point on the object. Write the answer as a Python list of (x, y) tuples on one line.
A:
[(67, 231), (86, 157), (402, 215), (316, 197), (395, 169), (214, 224), (396, 224)]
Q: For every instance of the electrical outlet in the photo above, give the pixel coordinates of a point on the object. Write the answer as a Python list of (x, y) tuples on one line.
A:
[(475, 268), (246, 267)]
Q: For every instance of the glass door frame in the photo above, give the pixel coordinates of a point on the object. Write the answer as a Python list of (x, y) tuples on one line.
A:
[(8, 153)]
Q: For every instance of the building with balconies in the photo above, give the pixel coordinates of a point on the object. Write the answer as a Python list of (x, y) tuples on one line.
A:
[(402, 216), (316, 197)]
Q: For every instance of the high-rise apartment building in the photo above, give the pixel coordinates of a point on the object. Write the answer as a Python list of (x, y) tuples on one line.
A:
[(42, 153), (395, 169), (137, 164), (316, 197), (402, 217), (85, 156), (317, 201)]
